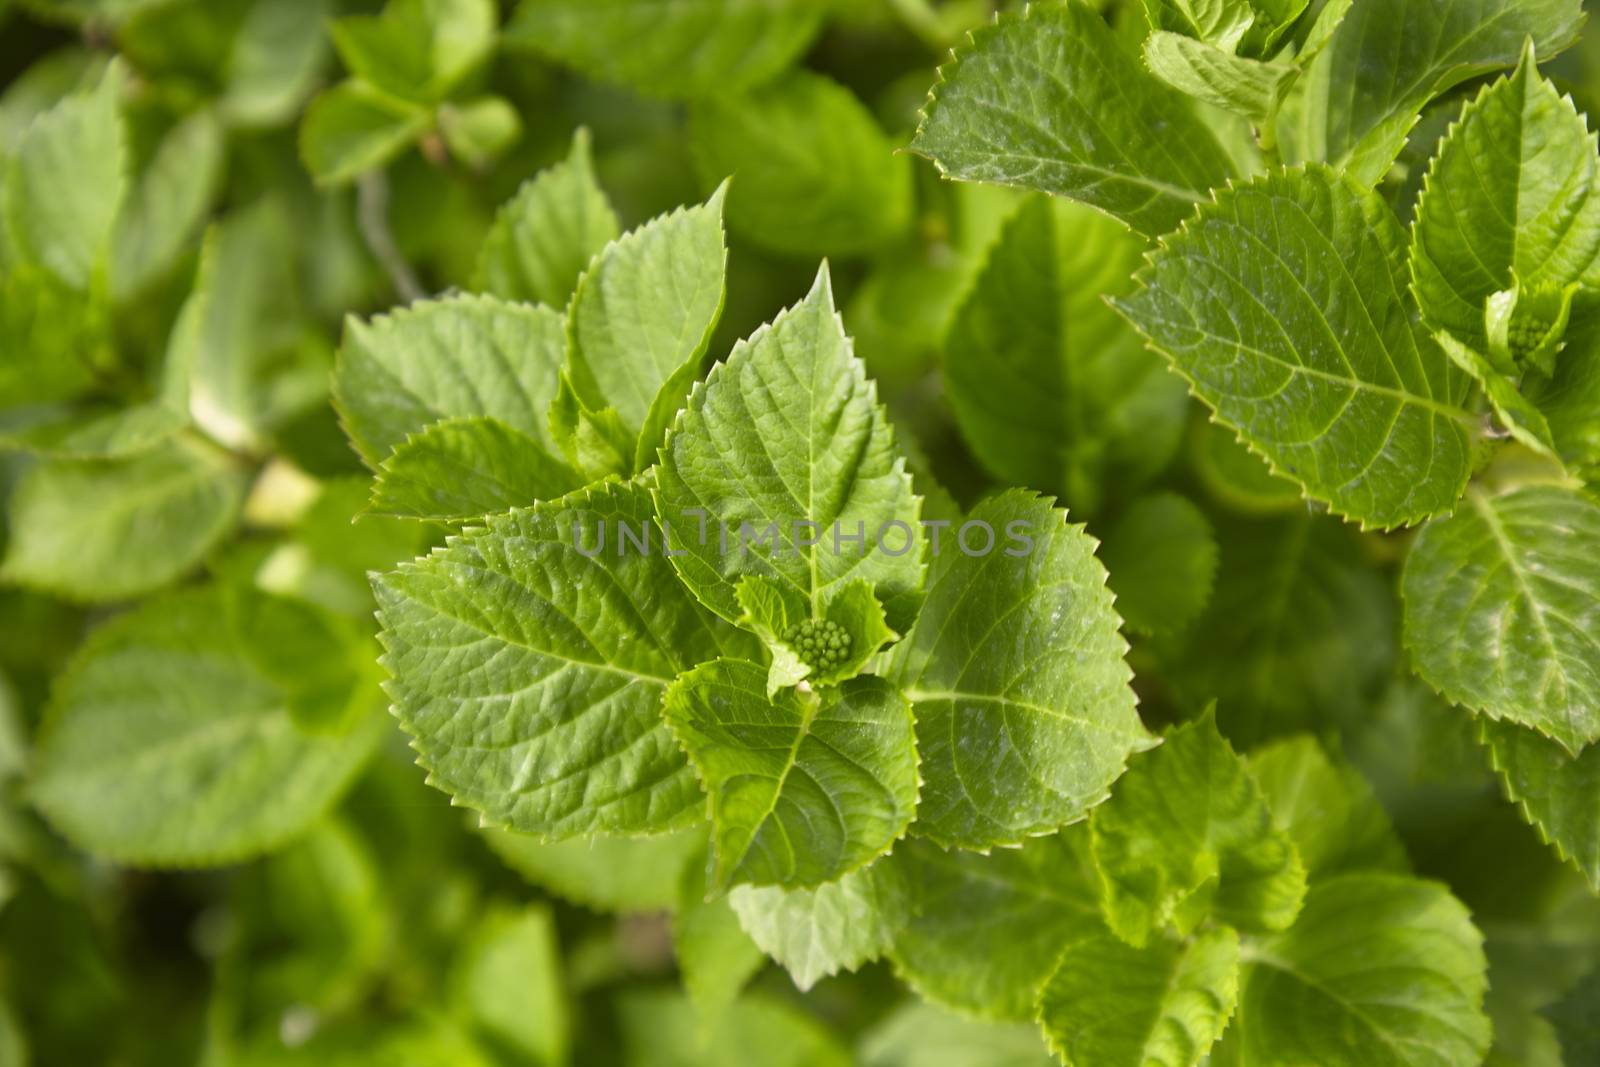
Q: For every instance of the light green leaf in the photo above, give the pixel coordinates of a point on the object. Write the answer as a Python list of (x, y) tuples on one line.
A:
[(1326, 808), (1570, 400), (353, 128), (417, 50), (805, 787), (1380, 970), (1557, 792), (1187, 834), (1244, 86), (813, 173), (165, 743), (64, 183), (1509, 198), (155, 516), (1024, 712), (785, 444), (659, 1028), (531, 673), (507, 983), (544, 237), (1285, 306), (479, 131), (1236, 477), (1050, 100), (641, 320), (829, 650), (53, 338), (459, 357), (463, 468), (815, 933), (691, 48), (1112, 1005), (1050, 388), (168, 204), (1222, 23), (921, 1035), (1528, 325), (1502, 610), (1162, 555), (715, 956), (1365, 89), (626, 874), (1035, 901), (1516, 413)]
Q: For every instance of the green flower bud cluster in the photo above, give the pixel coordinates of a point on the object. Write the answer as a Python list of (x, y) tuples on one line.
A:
[(1525, 335), (824, 645)]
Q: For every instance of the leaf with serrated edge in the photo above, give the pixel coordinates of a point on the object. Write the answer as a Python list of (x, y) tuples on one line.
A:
[(464, 468), (1502, 610), (1284, 304), (804, 787), (1051, 100), (1509, 198), (530, 674), (1112, 1005), (1188, 823), (1380, 970), (457, 357), (788, 431), (1557, 792), (1327, 809), (165, 745), (545, 236), (1024, 712), (1244, 86), (818, 932), (1512, 410)]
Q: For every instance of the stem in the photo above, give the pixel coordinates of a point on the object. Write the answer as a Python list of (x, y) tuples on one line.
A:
[(372, 211)]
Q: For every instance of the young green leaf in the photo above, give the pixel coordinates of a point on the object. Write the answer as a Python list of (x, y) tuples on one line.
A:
[(1380, 970), (1049, 387), (1502, 610), (784, 465), (1162, 559), (1239, 84), (815, 933), (155, 516), (462, 468), (417, 50), (688, 49), (1509, 199), (1035, 900), (1051, 100), (804, 787), (1326, 808), (1570, 399), (1186, 835), (1109, 1004), (529, 661), (641, 320), (462, 356), (1285, 306), (479, 131), (813, 172), (1516, 413), (353, 128), (545, 236), (1024, 712), (1557, 792), (166, 744)]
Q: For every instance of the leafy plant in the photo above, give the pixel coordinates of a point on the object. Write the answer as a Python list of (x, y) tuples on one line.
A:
[(1130, 603)]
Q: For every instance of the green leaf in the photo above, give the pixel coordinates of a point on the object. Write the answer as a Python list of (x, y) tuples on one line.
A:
[(921, 1035), (832, 649), (531, 673), (1222, 23), (1162, 555), (417, 50), (64, 184), (1380, 970), (1326, 808), (1574, 1018), (785, 444), (167, 205), (545, 236), (1509, 198), (659, 1028), (1557, 792), (1024, 712), (689, 49), (166, 744), (813, 172), (508, 984), (1515, 412), (1363, 92), (1049, 386), (463, 468), (805, 787), (53, 337), (1035, 901), (715, 957), (1187, 834), (1238, 84), (1050, 100), (1235, 476), (1284, 305), (626, 874), (641, 320), (155, 516), (815, 933), (1570, 400), (353, 128), (1502, 610), (481, 130), (459, 357), (1112, 1005)]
